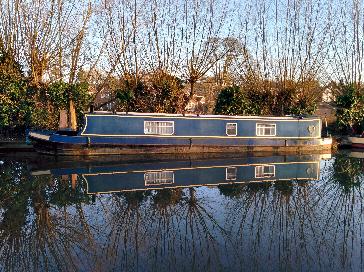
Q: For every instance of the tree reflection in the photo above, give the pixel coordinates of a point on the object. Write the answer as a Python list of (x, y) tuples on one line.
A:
[(51, 223), (342, 215), (271, 226), (347, 172), (36, 230), (171, 227), (298, 224), (231, 190), (165, 198)]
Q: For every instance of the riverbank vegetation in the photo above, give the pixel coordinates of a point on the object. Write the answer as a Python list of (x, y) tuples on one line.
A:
[(350, 112), (265, 58), (271, 98)]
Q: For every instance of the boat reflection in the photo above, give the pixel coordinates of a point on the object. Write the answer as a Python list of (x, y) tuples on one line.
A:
[(187, 173)]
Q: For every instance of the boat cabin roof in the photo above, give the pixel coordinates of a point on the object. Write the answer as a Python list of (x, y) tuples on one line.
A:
[(294, 117)]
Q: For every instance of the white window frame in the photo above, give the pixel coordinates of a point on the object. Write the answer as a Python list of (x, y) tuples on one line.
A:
[(228, 175), (156, 122), (236, 129), (260, 127), (260, 169), (153, 178)]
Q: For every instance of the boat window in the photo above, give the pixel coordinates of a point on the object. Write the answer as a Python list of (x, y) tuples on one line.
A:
[(158, 178), (266, 129), (157, 127), (265, 171), (231, 129), (231, 173)]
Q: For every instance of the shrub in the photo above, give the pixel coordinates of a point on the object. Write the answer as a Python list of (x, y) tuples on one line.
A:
[(16, 101), (350, 109), (232, 101), (160, 92), (58, 95), (268, 98)]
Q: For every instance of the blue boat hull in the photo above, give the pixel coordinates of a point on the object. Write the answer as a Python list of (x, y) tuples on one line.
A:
[(165, 133), (81, 145)]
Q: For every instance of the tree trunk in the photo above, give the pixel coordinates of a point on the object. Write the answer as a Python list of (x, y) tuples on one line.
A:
[(192, 90)]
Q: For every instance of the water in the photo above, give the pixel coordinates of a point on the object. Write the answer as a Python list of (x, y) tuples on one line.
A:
[(278, 213)]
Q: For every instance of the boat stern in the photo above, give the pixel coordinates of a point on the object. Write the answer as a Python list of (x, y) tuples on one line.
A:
[(39, 136), (54, 143)]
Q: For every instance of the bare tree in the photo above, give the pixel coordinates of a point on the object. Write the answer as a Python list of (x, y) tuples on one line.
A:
[(286, 41), (348, 47)]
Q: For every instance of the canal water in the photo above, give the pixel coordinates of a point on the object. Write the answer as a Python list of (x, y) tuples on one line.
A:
[(272, 213)]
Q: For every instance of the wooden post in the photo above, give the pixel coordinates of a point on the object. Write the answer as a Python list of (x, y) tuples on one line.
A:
[(63, 120), (72, 119), (73, 181)]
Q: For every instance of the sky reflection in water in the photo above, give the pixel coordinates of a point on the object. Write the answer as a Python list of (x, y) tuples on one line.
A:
[(51, 217)]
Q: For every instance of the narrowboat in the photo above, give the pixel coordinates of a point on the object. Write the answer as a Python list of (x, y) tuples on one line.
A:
[(142, 133), (145, 175)]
